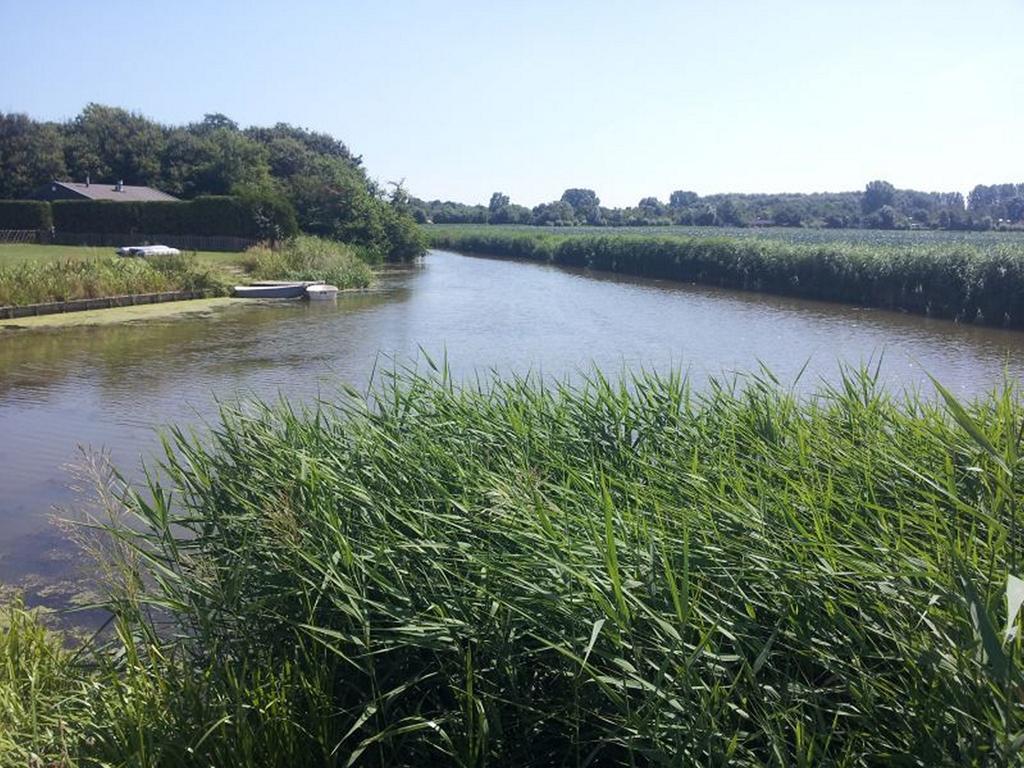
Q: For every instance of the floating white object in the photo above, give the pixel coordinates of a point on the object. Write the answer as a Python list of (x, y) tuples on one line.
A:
[(321, 292)]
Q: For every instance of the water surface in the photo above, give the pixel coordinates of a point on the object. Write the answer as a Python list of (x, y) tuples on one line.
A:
[(110, 387)]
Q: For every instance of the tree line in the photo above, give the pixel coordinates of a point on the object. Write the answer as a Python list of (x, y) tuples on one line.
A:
[(312, 173), (879, 206)]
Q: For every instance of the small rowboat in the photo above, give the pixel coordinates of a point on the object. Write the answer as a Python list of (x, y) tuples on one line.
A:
[(274, 289), (321, 292)]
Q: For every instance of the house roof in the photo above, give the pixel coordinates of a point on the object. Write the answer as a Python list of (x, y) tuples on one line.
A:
[(126, 193)]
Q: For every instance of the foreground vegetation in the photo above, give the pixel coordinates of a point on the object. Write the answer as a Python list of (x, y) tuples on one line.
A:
[(953, 279), (513, 574)]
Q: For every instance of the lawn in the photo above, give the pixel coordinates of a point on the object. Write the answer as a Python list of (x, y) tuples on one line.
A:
[(11, 255)]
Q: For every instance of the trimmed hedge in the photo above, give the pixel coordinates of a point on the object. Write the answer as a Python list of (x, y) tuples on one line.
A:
[(25, 214), (251, 217)]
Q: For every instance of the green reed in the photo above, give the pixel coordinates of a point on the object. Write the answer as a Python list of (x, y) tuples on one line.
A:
[(980, 281), (520, 573), (69, 279)]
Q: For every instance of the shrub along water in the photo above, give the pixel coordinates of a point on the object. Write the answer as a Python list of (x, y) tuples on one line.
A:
[(516, 574), (69, 279), (952, 280), (309, 258)]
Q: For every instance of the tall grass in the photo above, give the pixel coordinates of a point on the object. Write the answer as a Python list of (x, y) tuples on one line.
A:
[(69, 279), (954, 280), (310, 258), (601, 574)]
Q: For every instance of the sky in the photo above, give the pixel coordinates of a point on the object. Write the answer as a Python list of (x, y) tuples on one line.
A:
[(462, 99)]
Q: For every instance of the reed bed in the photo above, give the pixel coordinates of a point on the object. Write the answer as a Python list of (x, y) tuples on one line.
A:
[(309, 258), (72, 278), (517, 573), (957, 280)]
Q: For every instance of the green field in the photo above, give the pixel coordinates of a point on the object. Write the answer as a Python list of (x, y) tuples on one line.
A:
[(796, 236), (11, 255), (508, 574)]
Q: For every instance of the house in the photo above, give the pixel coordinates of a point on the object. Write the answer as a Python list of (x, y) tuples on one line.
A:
[(119, 192)]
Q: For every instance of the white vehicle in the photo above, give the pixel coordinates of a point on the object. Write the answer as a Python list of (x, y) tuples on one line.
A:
[(147, 250)]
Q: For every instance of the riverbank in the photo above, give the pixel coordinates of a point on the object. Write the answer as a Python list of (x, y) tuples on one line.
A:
[(517, 574), (119, 315), (58, 278), (958, 280)]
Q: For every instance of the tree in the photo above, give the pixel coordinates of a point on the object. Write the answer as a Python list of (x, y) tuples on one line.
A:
[(730, 213), (585, 204), (112, 144), (31, 154), (558, 213), (682, 198), (498, 201), (877, 194), (652, 207)]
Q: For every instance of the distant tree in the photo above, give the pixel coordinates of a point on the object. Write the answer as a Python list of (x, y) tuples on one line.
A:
[(31, 154), (788, 216), (681, 198), (730, 213), (213, 122), (877, 194), (558, 213), (498, 201), (585, 204), (511, 214), (652, 207)]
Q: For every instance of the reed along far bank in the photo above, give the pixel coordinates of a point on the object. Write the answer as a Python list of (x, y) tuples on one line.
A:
[(960, 281), (513, 574)]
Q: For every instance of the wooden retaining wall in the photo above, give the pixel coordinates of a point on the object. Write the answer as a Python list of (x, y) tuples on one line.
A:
[(80, 305)]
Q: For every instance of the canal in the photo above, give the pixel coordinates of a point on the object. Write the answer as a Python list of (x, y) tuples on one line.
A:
[(111, 388)]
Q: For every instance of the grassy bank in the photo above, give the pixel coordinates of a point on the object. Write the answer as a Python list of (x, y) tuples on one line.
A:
[(31, 282), (527, 575), (31, 274), (962, 280)]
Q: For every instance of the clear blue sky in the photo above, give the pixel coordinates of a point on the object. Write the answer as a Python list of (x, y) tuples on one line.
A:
[(630, 99)]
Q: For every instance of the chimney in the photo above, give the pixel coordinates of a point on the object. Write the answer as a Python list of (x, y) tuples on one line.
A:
[(87, 179)]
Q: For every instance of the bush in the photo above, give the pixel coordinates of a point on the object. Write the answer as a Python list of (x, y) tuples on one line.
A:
[(25, 214)]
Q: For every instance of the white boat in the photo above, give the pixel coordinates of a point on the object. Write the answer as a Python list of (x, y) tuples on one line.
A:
[(275, 289), (321, 292), (148, 250)]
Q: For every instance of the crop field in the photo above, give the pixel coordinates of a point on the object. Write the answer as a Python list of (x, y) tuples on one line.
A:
[(795, 235)]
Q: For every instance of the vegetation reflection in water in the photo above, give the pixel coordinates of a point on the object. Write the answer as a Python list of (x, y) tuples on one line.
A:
[(516, 574)]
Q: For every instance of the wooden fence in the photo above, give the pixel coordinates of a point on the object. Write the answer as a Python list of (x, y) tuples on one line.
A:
[(184, 242), (19, 236)]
